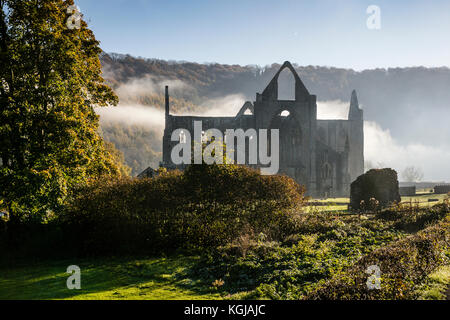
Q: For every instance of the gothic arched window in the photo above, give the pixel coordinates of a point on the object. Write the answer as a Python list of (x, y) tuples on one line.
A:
[(326, 171)]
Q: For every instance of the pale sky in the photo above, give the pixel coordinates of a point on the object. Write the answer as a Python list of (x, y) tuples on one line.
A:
[(319, 32)]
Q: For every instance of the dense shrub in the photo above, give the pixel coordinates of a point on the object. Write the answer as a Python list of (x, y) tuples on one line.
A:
[(404, 264), (30, 241), (413, 219), (321, 246), (322, 253), (203, 207)]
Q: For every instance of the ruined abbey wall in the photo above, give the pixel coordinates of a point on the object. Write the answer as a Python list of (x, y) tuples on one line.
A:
[(323, 155)]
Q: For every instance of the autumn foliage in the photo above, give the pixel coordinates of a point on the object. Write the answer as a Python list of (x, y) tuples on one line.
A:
[(50, 82), (203, 207)]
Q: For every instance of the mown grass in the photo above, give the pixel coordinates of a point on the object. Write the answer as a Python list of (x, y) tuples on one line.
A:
[(436, 285), (422, 199), (330, 204), (106, 279), (341, 204)]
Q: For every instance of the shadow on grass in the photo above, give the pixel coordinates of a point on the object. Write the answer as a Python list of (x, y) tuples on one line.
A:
[(154, 278)]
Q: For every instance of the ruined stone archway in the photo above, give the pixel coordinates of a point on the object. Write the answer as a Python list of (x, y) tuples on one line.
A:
[(271, 91), (286, 86)]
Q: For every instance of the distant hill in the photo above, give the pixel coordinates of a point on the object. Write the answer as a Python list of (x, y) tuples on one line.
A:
[(413, 103)]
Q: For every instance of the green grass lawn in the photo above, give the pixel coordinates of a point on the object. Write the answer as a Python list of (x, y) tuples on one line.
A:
[(330, 204), (161, 278), (436, 285), (423, 199), (337, 204)]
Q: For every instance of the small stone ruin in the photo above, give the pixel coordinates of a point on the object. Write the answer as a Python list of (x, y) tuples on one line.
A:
[(408, 191), (379, 184), (442, 189)]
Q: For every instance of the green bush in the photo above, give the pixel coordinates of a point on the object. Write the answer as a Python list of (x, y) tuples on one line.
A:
[(404, 264), (294, 267), (203, 207), (322, 253)]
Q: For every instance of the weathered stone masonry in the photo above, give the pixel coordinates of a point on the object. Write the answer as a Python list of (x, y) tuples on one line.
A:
[(323, 155)]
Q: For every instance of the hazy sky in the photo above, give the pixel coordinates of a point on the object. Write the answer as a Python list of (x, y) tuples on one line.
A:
[(319, 32), (314, 32)]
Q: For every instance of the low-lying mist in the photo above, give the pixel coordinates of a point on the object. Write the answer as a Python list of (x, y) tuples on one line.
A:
[(381, 147)]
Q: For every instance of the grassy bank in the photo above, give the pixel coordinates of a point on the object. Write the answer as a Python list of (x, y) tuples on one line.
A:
[(436, 285), (106, 279), (325, 247), (421, 200)]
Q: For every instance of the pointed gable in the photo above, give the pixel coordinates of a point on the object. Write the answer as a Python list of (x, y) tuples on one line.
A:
[(271, 91)]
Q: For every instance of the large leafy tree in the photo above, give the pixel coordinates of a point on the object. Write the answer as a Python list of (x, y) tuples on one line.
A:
[(50, 80)]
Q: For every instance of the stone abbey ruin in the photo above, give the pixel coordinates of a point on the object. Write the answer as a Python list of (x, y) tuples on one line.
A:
[(323, 155)]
